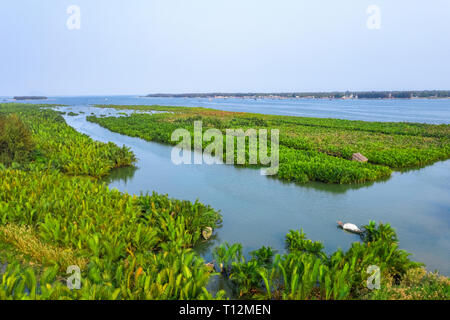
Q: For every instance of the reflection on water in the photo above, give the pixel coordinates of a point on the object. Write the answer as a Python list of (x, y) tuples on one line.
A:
[(332, 188), (205, 247), (122, 175), (259, 211)]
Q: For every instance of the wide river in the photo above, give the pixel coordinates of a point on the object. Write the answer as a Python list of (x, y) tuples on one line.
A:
[(259, 211)]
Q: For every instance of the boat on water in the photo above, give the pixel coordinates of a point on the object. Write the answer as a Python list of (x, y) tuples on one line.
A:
[(350, 227)]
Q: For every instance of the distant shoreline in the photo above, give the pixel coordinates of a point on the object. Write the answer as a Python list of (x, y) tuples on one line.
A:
[(377, 95), (30, 98), (297, 98)]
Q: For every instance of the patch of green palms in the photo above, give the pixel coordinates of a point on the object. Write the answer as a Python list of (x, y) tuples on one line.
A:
[(310, 149)]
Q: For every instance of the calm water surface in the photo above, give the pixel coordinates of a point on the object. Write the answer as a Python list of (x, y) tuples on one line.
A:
[(259, 210)]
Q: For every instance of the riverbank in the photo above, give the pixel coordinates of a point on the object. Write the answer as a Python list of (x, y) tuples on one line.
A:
[(311, 149)]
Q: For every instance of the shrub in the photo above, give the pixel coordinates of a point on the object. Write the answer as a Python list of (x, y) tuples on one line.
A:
[(418, 284), (16, 142), (311, 149)]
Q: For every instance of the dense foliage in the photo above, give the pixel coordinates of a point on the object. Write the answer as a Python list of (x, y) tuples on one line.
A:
[(53, 217), (310, 149), (16, 142), (54, 144), (128, 247), (307, 272)]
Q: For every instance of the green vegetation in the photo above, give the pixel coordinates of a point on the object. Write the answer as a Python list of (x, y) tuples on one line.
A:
[(129, 247), (16, 142), (417, 284), (310, 149), (54, 213), (307, 272), (35, 136)]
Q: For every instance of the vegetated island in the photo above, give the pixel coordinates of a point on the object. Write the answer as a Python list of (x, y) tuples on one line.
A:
[(55, 213), (428, 94), (29, 98), (310, 149)]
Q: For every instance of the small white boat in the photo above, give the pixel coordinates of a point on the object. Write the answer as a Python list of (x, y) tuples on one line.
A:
[(350, 227)]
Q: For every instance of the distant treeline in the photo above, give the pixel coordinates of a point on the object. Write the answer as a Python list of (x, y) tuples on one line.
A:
[(332, 95), (30, 98)]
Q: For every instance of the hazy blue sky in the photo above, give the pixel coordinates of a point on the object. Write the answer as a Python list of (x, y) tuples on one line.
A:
[(148, 46)]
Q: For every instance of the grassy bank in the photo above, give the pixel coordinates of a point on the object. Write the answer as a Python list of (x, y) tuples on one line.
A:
[(310, 149), (55, 145), (54, 213)]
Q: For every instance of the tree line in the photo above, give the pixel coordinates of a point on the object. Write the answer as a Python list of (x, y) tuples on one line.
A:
[(331, 95)]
